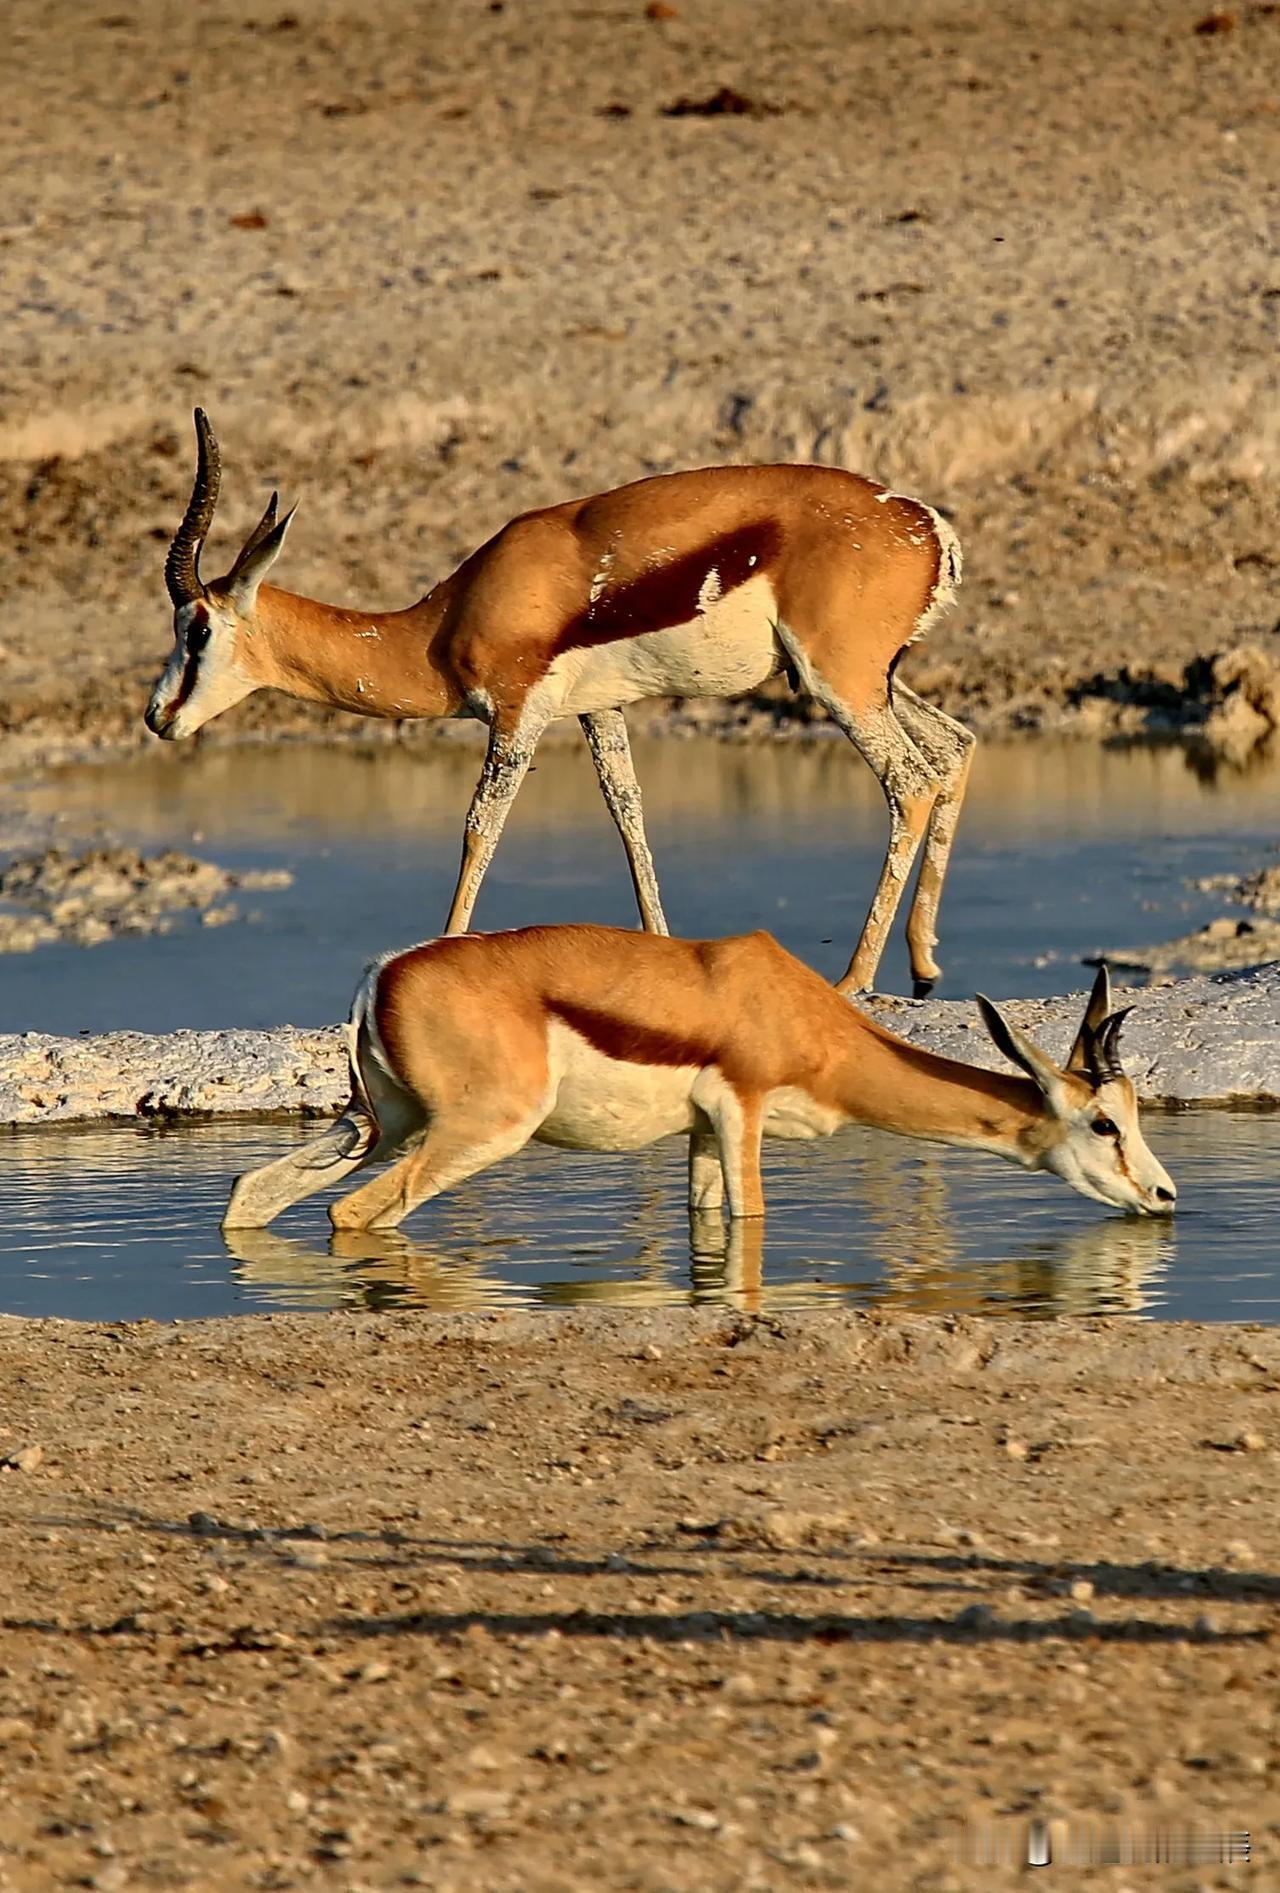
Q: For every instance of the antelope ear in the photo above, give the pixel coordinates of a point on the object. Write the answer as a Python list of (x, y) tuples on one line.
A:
[(261, 550), (256, 537), (1081, 1056), (1020, 1050)]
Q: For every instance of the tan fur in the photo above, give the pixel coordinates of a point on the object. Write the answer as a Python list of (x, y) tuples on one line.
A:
[(602, 1039), (698, 583)]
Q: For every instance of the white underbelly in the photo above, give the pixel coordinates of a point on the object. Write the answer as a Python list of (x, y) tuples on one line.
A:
[(791, 1112), (603, 1103), (726, 649)]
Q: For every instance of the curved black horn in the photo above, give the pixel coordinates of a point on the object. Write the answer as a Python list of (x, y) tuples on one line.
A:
[(182, 566), (1106, 1047)]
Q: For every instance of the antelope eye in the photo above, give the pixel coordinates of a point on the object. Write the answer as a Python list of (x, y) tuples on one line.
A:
[(197, 638), (1104, 1127)]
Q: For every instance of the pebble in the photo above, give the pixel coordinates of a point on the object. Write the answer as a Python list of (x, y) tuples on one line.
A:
[(23, 1459), (480, 1803)]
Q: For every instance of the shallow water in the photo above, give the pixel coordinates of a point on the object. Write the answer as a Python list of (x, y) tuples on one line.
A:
[(121, 1223), (1064, 848)]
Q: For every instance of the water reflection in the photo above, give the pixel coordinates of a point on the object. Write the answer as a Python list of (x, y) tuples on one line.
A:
[(912, 1257), (264, 795), (111, 1223), (1064, 849)]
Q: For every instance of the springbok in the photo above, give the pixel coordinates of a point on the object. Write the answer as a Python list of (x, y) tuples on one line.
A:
[(465, 1048), (686, 584)]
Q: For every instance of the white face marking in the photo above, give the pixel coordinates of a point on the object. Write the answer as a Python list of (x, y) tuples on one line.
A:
[(1118, 1169), (202, 677), (710, 592)]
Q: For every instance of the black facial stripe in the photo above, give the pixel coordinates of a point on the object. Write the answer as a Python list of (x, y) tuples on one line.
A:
[(190, 676)]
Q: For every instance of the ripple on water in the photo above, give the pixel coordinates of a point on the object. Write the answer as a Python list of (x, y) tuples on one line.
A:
[(119, 1223)]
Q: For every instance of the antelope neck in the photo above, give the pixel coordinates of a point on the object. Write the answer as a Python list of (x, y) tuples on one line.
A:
[(377, 663), (891, 1085)]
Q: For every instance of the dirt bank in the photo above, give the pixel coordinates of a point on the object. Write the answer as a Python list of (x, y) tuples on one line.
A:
[(431, 264), (646, 1602)]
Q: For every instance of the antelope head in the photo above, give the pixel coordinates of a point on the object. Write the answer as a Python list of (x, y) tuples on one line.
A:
[(214, 663), (1089, 1135)]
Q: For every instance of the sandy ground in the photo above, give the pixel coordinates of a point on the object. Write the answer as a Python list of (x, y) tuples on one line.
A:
[(637, 1604), (429, 265), (654, 1602)]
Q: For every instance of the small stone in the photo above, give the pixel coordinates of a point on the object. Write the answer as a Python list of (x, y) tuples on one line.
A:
[(203, 1524), (214, 1585), (701, 1818), (480, 1803), (650, 1353), (1249, 1443), (1082, 1591), (23, 1459), (1016, 1448)]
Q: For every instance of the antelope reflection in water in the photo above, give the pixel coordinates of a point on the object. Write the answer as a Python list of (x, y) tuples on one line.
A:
[(906, 1250), (1108, 1267)]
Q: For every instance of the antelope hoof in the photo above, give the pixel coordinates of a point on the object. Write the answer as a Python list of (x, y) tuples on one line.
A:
[(921, 988), (343, 1218)]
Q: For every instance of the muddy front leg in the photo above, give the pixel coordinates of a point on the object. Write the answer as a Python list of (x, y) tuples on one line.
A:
[(258, 1196), (606, 734), (510, 753), (706, 1173)]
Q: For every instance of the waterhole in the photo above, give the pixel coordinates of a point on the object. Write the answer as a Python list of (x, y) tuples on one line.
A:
[(1064, 849), (118, 1223)]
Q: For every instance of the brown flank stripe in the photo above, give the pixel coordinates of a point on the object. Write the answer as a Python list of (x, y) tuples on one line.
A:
[(668, 594), (623, 1039)]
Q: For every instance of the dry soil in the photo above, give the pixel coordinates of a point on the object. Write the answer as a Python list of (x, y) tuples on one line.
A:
[(654, 1602), (432, 264)]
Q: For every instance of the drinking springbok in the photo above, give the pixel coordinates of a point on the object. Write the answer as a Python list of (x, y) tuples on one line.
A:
[(687, 584), (464, 1049)]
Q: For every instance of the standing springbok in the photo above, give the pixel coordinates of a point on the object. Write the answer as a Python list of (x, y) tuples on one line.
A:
[(464, 1049), (687, 584)]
